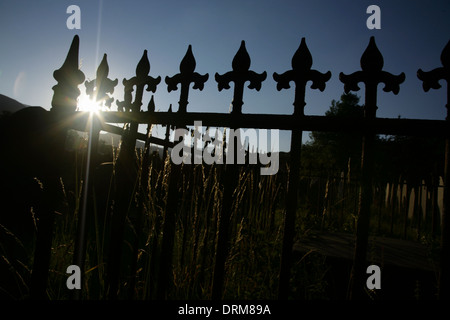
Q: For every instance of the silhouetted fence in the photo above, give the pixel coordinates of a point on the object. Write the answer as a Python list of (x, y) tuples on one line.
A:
[(127, 173)]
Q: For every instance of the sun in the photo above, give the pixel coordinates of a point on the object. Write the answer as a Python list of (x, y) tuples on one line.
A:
[(86, 104)]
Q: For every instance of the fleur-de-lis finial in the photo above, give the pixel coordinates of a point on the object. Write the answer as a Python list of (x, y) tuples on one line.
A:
[(240, 75), (141, 80), (372, 64), (185, 78), (431, 78), (301, 73), (372, 74), (69, 76), (99, 88)]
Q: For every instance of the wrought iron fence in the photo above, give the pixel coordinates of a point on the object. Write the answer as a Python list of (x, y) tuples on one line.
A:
[(130, 111)]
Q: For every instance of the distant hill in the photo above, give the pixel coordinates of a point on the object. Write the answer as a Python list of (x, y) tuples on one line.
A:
[(8, 104)]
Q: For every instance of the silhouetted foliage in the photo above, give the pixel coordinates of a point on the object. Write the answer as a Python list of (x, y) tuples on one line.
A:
[(334, 150), (410, 158)]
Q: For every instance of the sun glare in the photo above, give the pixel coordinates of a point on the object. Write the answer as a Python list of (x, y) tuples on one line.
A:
[(86, 104)]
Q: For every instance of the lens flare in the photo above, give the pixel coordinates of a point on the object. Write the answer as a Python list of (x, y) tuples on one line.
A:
[(86, 104)]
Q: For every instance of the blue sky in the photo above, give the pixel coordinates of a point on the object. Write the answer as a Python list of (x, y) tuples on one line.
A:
[(35, 40)]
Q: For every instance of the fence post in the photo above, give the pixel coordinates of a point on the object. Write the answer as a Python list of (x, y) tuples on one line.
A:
[(431, 80), (239, 75), (301, 73), (371, 74), (184, 78), (126, 170)]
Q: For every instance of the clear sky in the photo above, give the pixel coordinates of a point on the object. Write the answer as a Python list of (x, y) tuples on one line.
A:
[(35, 40)]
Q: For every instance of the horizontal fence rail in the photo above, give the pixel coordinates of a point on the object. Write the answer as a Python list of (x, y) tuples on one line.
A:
[(386, 126)]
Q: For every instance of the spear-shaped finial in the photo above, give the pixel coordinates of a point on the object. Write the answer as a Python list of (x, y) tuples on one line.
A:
[(185, 78), (240, 75), (301, 73), (99, 88), (69, 76)]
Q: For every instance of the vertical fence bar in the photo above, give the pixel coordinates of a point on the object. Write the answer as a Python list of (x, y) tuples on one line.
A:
[(371, 74), (167, 137), (431, 80), (184, 78), (444, 274), (126, 170), (97, 89), (239, 75), (301, 73), (87, 201), (64, 104), (143, 189)]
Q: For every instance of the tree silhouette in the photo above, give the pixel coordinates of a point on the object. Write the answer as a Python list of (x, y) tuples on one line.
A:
[(333, 150)]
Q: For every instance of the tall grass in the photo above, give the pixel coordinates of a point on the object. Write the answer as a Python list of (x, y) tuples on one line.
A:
[(255, 235)]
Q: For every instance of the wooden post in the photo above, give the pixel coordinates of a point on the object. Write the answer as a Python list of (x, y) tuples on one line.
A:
[(301, 73), (371, 74), (431, 80)]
